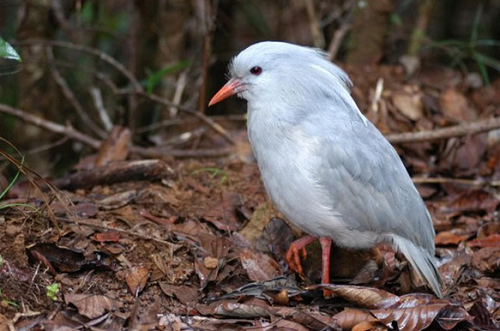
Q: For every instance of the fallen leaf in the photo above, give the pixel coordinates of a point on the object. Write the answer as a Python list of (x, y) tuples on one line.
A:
[(348, 318), (487, 260), (186, 294), (455, 107), (136, 279), (108, 236), (448, 238), (409, 102), (259, 266), (490, 241), (91, 306)]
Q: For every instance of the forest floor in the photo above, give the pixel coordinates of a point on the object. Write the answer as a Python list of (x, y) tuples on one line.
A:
[(195, 243)]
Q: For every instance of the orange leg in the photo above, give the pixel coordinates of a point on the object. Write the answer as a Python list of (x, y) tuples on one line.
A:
[(326, 245), (297, 248)]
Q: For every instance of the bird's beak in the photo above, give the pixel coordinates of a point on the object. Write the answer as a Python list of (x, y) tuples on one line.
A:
[(232, 87)]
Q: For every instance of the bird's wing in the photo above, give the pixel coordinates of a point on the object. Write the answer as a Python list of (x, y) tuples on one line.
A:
[(368, 185)]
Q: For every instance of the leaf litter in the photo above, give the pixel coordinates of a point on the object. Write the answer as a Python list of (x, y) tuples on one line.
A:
[(195, 244)]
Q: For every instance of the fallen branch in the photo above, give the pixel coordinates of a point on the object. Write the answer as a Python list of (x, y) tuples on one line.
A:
[(115, 172), (444, 133)]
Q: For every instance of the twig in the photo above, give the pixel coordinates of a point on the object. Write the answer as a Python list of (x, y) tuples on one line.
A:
[(159, 152), (46, 147), (314, 26), (459, 181), (89, 50), (217, 127), (68, 93), (68, 131), (179, 89), (99, 105), (444, 133), (337, 39), (103, 227)]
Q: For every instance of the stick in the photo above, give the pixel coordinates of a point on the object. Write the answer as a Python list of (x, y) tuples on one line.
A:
[(444, 133)]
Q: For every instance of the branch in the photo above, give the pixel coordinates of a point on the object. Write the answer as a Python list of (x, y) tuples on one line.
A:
[(89, 50), (444, 133), (71, 133), (68, 93), (68, 131), (216, 126)]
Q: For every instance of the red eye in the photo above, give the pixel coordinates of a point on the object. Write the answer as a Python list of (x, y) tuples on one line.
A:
[(256, 71)]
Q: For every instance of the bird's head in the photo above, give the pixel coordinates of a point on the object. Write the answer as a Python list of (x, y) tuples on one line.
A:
[(268, 71)]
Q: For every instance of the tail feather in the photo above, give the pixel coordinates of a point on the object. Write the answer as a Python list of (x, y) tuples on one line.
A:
[(422, 261)]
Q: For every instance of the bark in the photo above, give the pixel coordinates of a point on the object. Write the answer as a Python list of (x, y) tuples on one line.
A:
[(369, 30)]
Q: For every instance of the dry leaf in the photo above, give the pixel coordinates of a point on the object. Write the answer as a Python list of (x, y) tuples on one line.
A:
[(259, 267)]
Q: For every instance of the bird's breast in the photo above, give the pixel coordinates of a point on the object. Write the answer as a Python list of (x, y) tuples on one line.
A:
[(287, 160)]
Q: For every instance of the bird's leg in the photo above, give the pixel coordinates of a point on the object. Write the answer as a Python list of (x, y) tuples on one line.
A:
[(297, 248), (326, 245)]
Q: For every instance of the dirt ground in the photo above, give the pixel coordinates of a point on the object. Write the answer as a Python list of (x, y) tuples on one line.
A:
[(194, 243)]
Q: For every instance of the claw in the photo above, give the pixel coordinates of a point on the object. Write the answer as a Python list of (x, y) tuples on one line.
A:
[(296, 249)]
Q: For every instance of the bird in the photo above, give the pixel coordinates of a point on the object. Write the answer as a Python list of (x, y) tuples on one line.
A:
[(324, 165)]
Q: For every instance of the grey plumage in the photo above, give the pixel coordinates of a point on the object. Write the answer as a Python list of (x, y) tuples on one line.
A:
[(324, 165)]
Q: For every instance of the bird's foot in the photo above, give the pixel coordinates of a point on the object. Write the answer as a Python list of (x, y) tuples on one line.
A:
[(296, 249)]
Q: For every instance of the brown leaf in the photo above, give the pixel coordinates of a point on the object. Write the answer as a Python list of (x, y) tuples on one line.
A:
[(259, 267), (455, 107), (409, 102), (306, 316), (136, 279), (350, 317), (117, 200), (473, 200), (91, 306), (186, 294), (252, 309), (109, 236), (276, 238), (448, 238), (223, 214), (488, 229), (368, 326), (366, 297), (487, 260), (60, 258), (115, 147), (490, 241), (409, 319)]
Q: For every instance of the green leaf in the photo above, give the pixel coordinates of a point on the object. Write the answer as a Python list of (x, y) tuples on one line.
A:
[(156, 77), (8, 52), (52, 291)]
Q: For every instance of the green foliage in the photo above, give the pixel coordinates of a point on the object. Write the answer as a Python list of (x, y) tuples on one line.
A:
[(460, 51), (20, 169), (52, 291), (215, 172), (4, 192), (8, 52), (156, 77)]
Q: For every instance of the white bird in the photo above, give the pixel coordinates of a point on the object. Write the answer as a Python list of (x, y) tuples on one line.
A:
[(325, 166)]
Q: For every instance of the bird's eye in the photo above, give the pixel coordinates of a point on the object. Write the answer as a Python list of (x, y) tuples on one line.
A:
[(256, 71)]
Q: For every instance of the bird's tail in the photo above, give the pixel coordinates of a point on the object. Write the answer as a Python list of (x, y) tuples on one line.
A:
[(422, 261)]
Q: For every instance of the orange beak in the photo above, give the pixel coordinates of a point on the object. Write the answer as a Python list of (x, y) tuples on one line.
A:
[(232, 87)]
